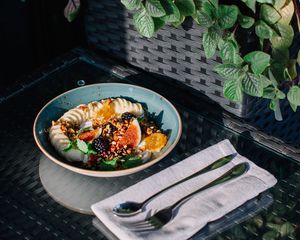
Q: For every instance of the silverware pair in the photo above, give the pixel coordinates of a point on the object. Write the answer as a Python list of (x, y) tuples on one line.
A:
[(163, 216)]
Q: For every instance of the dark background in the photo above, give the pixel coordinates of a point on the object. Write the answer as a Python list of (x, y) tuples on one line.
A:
[(32, 33)]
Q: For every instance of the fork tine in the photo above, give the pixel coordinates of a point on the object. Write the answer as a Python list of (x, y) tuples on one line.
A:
[(137, 224), (144, 229), (141, 224)]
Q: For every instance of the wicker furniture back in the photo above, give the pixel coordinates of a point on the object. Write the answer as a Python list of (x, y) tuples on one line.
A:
[(172, 52)]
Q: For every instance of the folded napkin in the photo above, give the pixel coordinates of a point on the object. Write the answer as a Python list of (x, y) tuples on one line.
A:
[(195, 213)]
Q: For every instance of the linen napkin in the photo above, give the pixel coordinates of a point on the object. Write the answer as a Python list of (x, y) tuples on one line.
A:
[(195, 213)]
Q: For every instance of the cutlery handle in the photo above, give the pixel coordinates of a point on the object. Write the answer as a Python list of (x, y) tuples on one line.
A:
[(231, 174), (219, 163)]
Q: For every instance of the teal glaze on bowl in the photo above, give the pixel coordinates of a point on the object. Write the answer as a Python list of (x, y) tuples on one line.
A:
[(164, 112)]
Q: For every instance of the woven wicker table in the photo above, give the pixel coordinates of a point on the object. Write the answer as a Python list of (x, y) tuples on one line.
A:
[(28, 212)]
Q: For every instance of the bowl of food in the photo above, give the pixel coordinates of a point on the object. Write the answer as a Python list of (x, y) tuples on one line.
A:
[(107, 129)]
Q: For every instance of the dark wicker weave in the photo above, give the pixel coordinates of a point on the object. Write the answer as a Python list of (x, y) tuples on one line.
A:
[(172, 52)]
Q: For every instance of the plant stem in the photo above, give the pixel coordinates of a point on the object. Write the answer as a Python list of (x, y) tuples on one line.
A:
[(288, 84), (235, 28)]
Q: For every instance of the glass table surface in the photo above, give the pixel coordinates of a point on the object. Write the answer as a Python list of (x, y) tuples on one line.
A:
[(28, 212)]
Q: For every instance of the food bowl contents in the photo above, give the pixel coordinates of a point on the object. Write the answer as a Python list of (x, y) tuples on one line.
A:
[(110, 134)]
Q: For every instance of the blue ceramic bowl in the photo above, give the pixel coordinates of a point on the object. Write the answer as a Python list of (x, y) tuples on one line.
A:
[(155, 104)]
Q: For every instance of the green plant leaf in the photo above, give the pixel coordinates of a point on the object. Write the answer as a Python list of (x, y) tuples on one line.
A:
[(215, 3), (82, 146), (269, 92), (293, 107), (144, 23), (266, 81), (280, 55), (270, 235), (272, 78), (278, 69), (298, 58), (265, 1), (227, 15), (198, 4), (210, 40), (232, 89), (273, 226), (181, 20), (258, 221), (245, 21), (229, 70), (258, 60), (287, 12), (172, 12), (263, 30), (154, 8), (204, 19), (286, 37), (71, 16), (228, 51), (291, 67), (108, 165), (209, 9), (286, 229), (186, 7), (158, 23), (278, 4), (252, 85), (294, 95), (269, 14), (131, 4), (280, 94), (250, 4)]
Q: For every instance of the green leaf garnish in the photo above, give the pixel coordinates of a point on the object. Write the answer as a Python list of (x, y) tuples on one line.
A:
[(82, 146), (109, 165), (132, 161), (91, 150), (69, 147)]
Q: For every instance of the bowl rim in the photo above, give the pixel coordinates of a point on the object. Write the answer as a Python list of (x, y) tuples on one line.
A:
[(115, 173)]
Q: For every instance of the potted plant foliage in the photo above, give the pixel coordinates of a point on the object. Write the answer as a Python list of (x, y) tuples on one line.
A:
[(252, 37)]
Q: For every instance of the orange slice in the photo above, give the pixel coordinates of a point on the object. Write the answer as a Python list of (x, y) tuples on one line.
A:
[(105, 113), (155, 142)]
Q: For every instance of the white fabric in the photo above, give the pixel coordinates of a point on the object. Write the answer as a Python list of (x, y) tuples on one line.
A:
[(194, 214)]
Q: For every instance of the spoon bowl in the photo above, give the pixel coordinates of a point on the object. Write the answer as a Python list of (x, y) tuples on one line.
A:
[(130, 208)]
